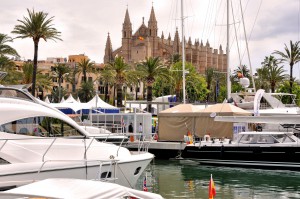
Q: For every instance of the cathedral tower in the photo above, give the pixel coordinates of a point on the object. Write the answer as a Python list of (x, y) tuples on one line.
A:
[(152, 32), (108, 56), (126, 37)]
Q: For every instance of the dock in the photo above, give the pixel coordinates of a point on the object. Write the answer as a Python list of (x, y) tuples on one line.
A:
[(161, 150)]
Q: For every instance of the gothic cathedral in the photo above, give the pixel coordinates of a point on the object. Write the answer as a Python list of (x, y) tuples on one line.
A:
[(145, 42)]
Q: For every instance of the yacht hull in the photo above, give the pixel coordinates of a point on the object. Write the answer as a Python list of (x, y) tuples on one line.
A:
[(123, 173), (267, 157)]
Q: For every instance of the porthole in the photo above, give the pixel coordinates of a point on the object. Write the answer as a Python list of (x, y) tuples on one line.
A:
[(106, 175), (137, 171)]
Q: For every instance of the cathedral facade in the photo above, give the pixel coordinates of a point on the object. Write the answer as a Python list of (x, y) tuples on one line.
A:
[(145, 42)]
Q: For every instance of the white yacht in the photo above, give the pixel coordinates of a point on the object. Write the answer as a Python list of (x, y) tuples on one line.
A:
[(39, 142)]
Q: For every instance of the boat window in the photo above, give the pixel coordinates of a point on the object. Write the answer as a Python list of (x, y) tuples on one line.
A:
[(2, 161), (266, 139), (283, 138), (248, 138), (106, 175), (41, 127), (12, 93)]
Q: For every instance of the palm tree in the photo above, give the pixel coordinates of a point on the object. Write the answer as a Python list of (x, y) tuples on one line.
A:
[(261, 78), (275, 73), (119, 71), (195, 83), (85, 66), (209, 75), (4, 48), (6, 64), (43, 83), (108, 80), (241, 70), (174, 58), (150, 69), (27, 73), (292, 56), (36, 26), (60, 71), (86, 91)]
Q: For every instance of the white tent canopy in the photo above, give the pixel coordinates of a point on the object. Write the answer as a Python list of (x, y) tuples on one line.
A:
[(47, 100), (97, 102), (74, 106), (71, 103), (62, 100), (71, 99)]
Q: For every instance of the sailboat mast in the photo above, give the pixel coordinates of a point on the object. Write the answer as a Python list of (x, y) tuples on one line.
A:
[(227, 53), (183, 53)]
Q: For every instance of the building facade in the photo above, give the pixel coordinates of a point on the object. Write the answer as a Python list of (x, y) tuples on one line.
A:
[(145, 42)]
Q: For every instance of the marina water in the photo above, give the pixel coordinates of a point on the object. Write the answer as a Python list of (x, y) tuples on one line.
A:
[(187, 179)]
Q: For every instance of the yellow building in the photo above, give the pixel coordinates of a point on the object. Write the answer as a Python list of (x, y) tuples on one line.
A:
[(47, 66)]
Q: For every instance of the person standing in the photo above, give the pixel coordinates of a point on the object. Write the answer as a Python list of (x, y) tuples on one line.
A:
[(130, 130), (141, 131)]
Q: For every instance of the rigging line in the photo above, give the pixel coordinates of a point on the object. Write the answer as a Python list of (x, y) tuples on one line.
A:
[(216, 19), (298, 18), (234, 37), (170, 17), (237, 43), (247, 47), (298, 31), (193, 14), (222, 22), (211, 25), (176, 6), (218, 13), (253, 25), (205, 20)]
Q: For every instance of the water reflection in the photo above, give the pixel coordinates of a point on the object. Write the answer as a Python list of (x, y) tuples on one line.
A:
[(187, 179)]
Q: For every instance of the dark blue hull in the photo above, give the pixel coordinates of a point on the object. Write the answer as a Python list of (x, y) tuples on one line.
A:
[(272, 157)]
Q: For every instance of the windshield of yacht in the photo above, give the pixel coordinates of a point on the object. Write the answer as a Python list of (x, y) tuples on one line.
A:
[(257, 139), (40, 126), (283, 138), (13, 93)]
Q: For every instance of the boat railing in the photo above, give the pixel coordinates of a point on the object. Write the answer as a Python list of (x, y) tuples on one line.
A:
[(142, 141), (100, 176), (54, 139)]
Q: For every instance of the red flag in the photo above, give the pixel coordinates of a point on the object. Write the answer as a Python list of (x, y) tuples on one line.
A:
[(211, 189), (145, 184)]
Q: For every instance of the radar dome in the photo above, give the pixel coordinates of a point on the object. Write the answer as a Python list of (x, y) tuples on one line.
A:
[(244, 82)]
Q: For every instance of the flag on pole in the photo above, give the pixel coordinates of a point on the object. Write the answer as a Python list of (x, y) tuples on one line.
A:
[(145, 184), (211, 188)]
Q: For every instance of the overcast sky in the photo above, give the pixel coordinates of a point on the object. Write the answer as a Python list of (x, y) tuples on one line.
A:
[(84, 25)]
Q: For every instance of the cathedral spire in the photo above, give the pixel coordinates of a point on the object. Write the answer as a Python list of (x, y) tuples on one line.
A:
[(108, 56), (176, 45), (127, 18), (190, 41), (152, 24), (152, 16), (127, 28)]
